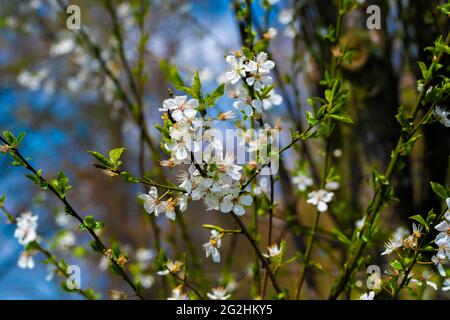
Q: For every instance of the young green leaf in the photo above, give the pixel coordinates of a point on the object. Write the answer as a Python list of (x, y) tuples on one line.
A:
[(439, 190)]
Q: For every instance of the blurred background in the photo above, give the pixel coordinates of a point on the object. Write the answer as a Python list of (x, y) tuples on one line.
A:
[(52, 88)]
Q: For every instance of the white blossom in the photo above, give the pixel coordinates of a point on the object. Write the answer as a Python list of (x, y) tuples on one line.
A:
[(184, 141), (172, 267), (273, 2), (177, 294), (247, 104), (26, 260), (227, 115), (332, 185), (103, 265), (443, 238), (262, 187), (147, 281), (66, 241), (63, 219), (235, 202), (51, 270), (425, 280), (152, 204), (144, 257), (270, 34), (169, 207), (392, 244), (212, 246), (368, 296), (439, 259), (187, 178), (182, 202), (259, 80), (32, 80), (274, 100), (446, 285), (302, 181), (320, 199), (181, 108), (442, 115), (286, 16), (262, 65), (227, 166), (219, 293), (237, 68), (62, 47), (26, 228), (273, 251)]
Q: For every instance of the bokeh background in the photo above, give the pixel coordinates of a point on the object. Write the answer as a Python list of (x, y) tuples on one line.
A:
[(50, 88)]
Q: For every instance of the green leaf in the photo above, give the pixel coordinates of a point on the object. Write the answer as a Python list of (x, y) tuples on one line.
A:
[(9, 137), (101, 158), (115, 269), (210, 99), (261, 45), (341, 237), (170, 71), (445, 8), (311, 119), (283, 249), (396, 265), (342, 117), (114, 154), (99, 225), (248, 53), (439, 190), (89, 221), (20, 137), (161, 259), (197, 86), (61, 184), (424, 70), (97, 247), (115, 247)]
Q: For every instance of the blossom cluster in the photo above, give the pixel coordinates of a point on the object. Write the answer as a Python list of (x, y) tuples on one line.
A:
[(216, 178), (26, 225), (256, 76), (442, 240), (403, 240)]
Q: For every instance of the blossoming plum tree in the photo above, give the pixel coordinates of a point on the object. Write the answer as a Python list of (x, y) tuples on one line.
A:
[(249, 194)]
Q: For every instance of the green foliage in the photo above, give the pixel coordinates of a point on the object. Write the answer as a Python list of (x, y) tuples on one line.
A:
[(97, 247), (171, 73), (347, 5), (330, 35), (12, 140), (248, 53), (61, 184), (397, 265), (161, 259), (2, 200), (37, 179), (341, 237), (441, 191), (195, 90), (91, 223), (211, 98), (113, 163), (445, 8), (265, 92), (261, 45)]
